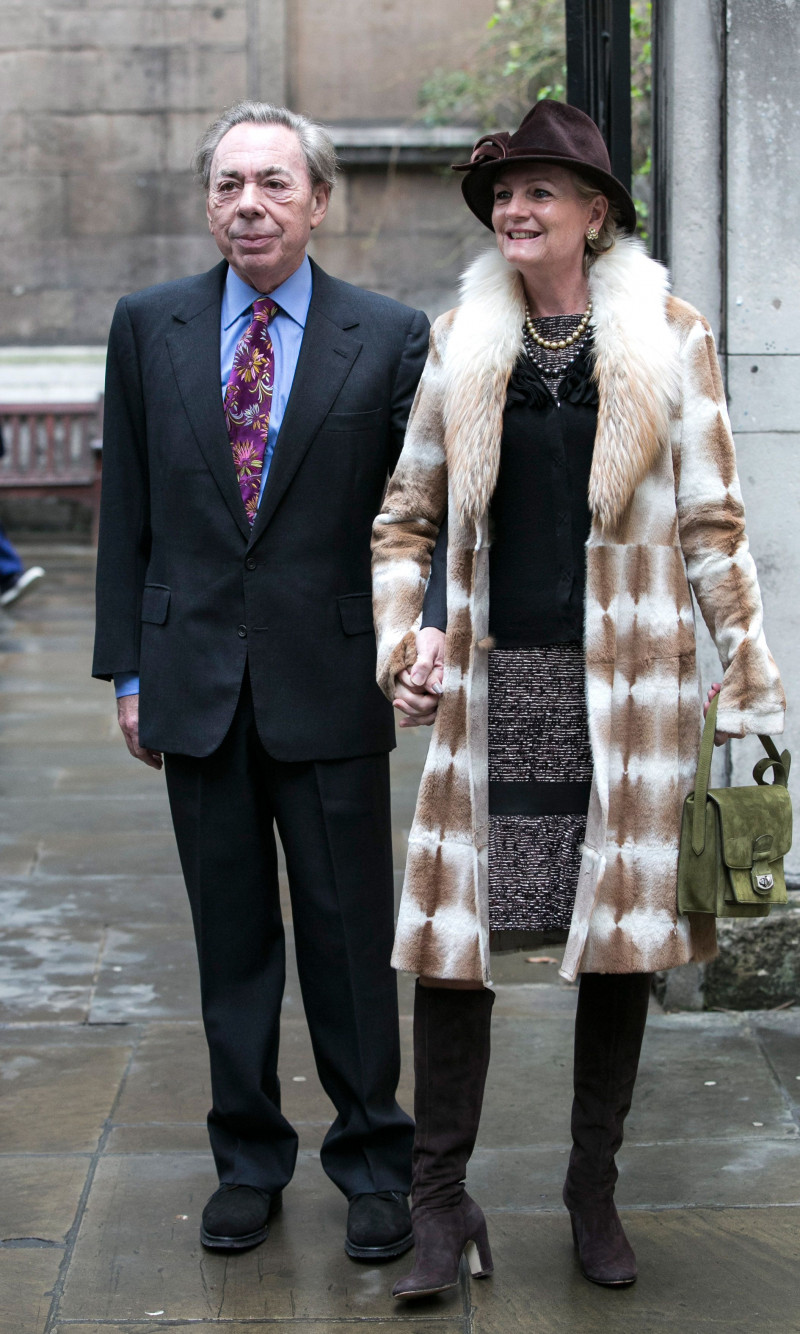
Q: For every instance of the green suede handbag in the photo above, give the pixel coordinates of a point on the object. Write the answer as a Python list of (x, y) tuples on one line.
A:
[(734, 839)]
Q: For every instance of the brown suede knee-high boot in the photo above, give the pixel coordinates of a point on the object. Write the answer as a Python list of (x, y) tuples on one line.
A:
[(451, 1058), (609, 1027)]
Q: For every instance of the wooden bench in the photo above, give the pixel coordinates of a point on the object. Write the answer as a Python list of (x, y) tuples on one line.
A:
[(51, 449)]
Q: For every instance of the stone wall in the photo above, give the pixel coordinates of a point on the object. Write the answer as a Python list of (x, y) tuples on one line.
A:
[(351, 61), (101, 104)]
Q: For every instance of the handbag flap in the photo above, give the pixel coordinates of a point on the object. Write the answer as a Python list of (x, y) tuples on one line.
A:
[(750, 816)]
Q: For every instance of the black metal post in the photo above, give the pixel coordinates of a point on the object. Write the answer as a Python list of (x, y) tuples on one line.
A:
[(659, 201), (599, 72)]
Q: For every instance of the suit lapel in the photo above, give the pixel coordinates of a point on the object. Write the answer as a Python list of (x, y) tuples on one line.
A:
[(327, 354), (194, 352)]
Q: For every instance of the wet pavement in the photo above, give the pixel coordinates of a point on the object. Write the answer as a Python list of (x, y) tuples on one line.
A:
[(103, 1087)]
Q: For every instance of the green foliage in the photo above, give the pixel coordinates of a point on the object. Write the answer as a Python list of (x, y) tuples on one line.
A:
[(522, 59), (641, 109)]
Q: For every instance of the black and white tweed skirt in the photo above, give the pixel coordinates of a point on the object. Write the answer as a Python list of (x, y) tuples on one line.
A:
[(540, 772)]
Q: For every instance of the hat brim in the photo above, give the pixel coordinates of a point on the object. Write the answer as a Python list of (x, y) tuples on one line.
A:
[(477, 184)]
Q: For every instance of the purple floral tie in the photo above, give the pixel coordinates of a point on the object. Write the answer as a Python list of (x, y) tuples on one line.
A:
[(248, 399)]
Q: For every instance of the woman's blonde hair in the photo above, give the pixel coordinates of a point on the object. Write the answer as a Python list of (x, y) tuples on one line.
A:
[(610, 231)]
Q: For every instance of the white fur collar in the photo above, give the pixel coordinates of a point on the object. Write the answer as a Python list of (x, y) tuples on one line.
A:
[(636, 367)]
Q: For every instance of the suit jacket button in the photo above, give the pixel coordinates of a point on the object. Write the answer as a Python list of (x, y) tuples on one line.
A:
[(250, 563), (242, 632)]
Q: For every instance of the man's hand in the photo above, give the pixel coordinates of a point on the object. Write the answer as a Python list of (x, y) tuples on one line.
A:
[(418, 688), (719, 737), (128, 719)]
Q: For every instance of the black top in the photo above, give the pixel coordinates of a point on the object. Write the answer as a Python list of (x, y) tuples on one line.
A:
[(540, 510), (539, 513)]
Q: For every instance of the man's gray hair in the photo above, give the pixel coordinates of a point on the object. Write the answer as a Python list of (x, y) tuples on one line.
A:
[(316, 143)]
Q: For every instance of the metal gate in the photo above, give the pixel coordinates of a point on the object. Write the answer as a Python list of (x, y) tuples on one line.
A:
[(599, 73)]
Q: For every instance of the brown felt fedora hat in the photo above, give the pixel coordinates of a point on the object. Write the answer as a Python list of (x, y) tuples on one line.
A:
[(551, 132)]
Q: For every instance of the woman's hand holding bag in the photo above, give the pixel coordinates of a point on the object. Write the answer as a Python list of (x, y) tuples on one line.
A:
[(719, 737)]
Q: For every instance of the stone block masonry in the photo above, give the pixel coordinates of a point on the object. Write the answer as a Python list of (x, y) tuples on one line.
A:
[(101, 105)]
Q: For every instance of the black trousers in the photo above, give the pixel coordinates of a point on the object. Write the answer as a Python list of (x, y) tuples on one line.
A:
[(334, 824)]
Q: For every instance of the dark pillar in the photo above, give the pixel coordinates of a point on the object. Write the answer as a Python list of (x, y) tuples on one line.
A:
[(599, 72)]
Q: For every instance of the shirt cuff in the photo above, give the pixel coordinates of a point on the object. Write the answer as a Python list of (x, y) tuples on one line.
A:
[(126, 683)]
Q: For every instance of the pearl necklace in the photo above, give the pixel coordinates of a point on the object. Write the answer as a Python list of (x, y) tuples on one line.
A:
[(552, 344)]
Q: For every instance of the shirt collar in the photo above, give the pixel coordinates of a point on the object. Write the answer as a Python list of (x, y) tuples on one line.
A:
[(293, 296)]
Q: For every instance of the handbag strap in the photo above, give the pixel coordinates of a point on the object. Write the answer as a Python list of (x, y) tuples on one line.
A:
[(770, 747), (704, 773), (703, 776)]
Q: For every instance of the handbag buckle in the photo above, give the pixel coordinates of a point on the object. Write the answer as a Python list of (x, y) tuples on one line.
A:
[(761, 877)]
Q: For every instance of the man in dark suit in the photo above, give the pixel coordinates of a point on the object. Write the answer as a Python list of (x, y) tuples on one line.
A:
[(252, 415)]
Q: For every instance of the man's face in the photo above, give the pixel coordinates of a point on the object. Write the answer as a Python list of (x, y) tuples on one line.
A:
[(261, 205)]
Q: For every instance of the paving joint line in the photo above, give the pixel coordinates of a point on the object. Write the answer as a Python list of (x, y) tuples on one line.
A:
[(789, 1104), (267, 1322), (687, 1206), (72, 1234), (557, 1146), (467, 1307)]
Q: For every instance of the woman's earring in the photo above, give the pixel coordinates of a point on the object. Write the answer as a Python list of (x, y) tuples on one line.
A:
[(592, 234)]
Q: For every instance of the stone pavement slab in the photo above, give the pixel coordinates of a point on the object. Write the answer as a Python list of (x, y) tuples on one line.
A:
[(144, 974), (781, 1048), (27, 1277), (167, 1083), (95, 951), (75, 854), (41, 1193), (55, 1097), (688, 1174), (90, 814), (692, 1266)]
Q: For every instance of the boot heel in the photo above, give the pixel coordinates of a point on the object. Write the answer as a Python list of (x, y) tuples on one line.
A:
[(478, 1254)]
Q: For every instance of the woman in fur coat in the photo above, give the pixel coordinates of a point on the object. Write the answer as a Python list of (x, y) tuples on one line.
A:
[(571, 425)]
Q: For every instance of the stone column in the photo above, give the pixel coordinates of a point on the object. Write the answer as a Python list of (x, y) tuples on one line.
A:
[(763, 323), (732, 132), (691, 54), (690, 50)]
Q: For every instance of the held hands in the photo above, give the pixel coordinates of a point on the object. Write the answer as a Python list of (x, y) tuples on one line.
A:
[(418, 688), (128, 719), (719, 737)]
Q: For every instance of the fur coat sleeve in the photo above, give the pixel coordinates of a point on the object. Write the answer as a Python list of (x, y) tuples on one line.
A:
[(405, 531), (711, 523)]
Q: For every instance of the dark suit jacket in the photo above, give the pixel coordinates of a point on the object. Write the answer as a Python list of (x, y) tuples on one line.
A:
[(186, 591)]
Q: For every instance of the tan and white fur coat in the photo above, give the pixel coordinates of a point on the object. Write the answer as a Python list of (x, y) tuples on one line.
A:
[(667, 517)]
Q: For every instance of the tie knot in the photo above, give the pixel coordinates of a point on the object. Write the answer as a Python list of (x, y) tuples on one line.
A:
[(264, 308)]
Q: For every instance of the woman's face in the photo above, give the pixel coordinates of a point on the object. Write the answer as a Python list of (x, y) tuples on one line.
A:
[(540, 220)]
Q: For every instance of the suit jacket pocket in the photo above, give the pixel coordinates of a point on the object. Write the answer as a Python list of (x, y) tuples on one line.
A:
[(355, 609), (155, 603), (353, 421)]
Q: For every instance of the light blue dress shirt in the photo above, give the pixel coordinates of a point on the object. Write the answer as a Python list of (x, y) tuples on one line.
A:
[(286, 330)]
